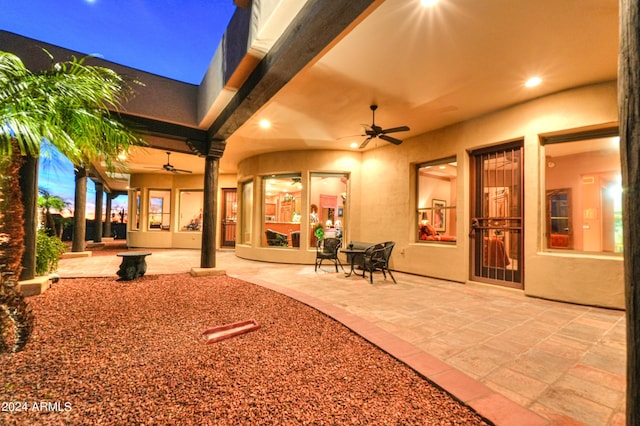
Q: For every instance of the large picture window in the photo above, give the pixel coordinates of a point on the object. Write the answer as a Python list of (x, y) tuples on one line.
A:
[(328, 205), (583, 193), (135, 219), (282, 207), (159, 209), (246, 215), (436, 211), (191, 203)]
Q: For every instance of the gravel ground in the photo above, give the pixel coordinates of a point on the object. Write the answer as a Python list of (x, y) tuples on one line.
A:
[(121, 353)]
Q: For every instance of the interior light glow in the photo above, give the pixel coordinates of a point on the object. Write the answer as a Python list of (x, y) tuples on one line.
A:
[(428, 3), (265, 124), (533, 82), (354, 145)]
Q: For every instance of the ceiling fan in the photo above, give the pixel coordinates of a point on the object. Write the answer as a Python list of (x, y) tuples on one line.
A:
[(374, 131), (169, 167)]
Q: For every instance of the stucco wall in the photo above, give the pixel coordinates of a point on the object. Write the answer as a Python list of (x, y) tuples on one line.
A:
[(304, 162), (388, 176), (382, 196), (174, 237)]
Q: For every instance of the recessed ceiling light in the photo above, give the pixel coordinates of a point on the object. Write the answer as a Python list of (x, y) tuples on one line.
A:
[(533, 82), (265, 124), (428, 3), (354, 145)]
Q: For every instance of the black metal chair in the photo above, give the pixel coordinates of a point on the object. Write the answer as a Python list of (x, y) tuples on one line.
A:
[(376, 258), (275, 238), (327, 249)]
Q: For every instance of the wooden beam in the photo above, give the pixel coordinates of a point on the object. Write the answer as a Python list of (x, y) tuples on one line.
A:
[(168, 136), (316, 26)]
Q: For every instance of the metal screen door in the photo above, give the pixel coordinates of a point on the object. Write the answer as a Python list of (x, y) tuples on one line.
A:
[(229, 216), (496, 223)]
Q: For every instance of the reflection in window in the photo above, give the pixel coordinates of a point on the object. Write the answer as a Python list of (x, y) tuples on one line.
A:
[(328, 205), (584, 195), (159, 209), (282, 210), (246, 218), (191, 203), (436, 212)]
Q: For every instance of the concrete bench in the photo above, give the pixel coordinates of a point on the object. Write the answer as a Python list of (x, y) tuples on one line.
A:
[(133, 264)]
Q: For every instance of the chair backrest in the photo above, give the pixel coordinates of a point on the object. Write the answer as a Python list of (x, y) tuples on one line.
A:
[(330, 245), (379, 254), (275, 238), (388, 248)]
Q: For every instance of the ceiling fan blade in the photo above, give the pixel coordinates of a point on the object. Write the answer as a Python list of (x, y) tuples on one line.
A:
[(366, 141), (390, 139), (181, 171), (396, 129)]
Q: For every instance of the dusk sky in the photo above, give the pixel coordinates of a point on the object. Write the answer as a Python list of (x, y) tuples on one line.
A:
[(172, 38)]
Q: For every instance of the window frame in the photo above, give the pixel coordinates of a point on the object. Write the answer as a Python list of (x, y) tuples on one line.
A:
[(164, 213), (558, 139), (423, 215)]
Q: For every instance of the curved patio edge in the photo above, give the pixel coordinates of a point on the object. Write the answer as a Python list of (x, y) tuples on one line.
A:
[(489, 404)]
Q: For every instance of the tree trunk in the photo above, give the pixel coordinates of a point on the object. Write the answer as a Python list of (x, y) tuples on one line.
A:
[(629, 116), (29, 187), (79, 211)]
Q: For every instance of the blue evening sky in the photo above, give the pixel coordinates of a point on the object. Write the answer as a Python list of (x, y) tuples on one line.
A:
[(172, 38)]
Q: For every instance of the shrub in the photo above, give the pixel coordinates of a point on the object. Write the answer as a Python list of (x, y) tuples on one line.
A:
[(48, 251)]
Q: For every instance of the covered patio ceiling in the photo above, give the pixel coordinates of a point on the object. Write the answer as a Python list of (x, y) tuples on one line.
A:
[(426, 68)]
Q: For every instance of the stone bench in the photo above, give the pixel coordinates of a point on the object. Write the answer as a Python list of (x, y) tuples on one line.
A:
[(133, 264)]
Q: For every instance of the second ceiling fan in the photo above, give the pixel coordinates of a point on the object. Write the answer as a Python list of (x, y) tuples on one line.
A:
[(375, 131), (169, 167)]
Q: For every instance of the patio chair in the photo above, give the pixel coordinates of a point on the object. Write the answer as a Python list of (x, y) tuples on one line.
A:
[(327, 249), (376, 258), (275, 238)]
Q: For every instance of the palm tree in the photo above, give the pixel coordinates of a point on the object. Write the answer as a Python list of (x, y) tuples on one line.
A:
[(69, 105), (48, 201)]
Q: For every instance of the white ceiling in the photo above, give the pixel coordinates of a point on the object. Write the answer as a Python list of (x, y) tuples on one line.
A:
[(428, 68)]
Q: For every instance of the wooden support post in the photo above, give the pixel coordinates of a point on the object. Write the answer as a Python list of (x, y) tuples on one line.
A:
[(97, 221), (79, 211), (208, 250), (629, 116)]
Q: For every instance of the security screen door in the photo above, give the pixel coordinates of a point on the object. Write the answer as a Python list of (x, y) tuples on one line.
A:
[(496, 209), (229, 216)]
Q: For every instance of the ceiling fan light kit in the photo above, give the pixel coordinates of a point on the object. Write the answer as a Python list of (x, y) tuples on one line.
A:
[(378, 132)]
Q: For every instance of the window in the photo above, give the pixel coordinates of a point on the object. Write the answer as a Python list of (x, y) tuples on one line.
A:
[(246, 218), (159, 209), (282, 208), (191, 203), (583, 193), (327, 205), (135, 220), (436, 212)]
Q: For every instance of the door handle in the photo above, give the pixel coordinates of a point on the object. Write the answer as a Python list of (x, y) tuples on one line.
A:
[(475, 224)]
